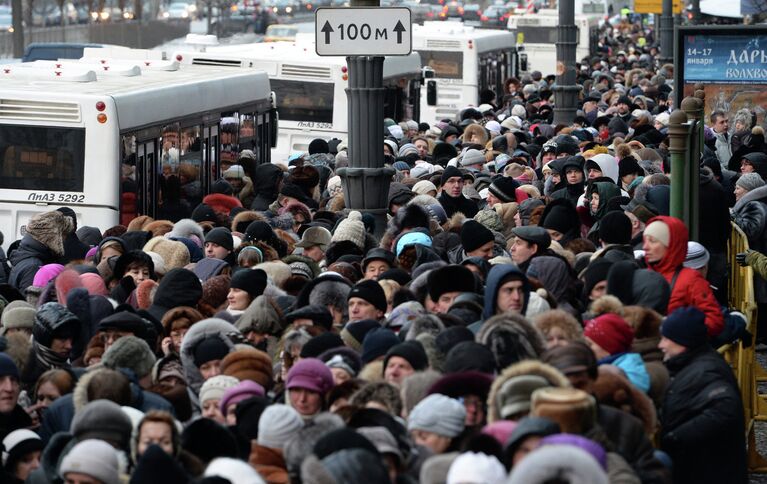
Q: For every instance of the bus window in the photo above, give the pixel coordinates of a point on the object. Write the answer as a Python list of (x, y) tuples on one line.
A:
[(171, 149), (190, 166), (304, 101), (230, 126), (247, 131), (129, 198), (36, 158), (446, 65)]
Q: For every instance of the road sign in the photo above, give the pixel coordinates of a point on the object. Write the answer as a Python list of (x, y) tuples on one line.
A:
[(655, 6), (363, 31)]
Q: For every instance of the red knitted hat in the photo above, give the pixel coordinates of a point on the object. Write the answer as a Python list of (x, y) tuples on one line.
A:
[(611, 332)]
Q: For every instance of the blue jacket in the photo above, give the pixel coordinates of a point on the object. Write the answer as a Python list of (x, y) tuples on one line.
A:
[(633, 366)]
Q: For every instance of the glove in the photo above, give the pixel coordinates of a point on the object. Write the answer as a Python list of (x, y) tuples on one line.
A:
[(740, 258)]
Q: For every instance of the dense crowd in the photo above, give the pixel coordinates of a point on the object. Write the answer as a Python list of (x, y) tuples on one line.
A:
[(531, 313)]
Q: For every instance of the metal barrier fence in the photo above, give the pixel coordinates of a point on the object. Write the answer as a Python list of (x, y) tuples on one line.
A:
[(139, 34), (748, 371)]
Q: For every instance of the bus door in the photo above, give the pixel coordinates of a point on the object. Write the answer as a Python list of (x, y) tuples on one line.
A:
[(210, 142), (145, 178)]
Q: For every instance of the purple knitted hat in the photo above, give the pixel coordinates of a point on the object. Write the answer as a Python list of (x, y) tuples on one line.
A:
[(594, 449), (46, 274), (242, 391)]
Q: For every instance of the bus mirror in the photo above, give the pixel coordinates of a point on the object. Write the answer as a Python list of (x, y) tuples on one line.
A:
[(431, 93), (428, 72), (273, 100), (523, 62)]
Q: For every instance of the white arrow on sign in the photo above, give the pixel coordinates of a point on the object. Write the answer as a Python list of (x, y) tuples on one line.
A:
[(363, 31)]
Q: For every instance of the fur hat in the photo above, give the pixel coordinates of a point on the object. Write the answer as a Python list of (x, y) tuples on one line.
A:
[(551, 462), (50, 229), (174, 254), (574, 410), (351, 229), (450, 279), (17, 315), (248, 364), (132, 353), (511, 338)]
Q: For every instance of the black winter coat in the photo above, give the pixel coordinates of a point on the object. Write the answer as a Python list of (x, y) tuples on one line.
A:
[(26, 260), (702, 420), (714, 216), (453, 205)]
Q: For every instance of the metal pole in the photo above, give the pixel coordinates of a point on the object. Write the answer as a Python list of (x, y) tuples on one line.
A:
[(695, 12), (693, 108), (366, 181), (677, 132), (565, 89), (17, 17), (667, 33)]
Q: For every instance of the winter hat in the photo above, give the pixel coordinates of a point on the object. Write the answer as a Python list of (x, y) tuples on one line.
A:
[(8, 367), (54, 320), (17, 315), (527, 427), (750, 181), (450, 172), (370, 291), (504, 188), (400, 166), (215, 387), (232, 470), (343, 358), (277, 424), (558, 462), (103, 420), (376, 343), (403, 313), (615, 228), (132, 353), (221, 236), (611, 332), (697, 256), (472, 157), (174, 253), (17, 444), (46, 274), (50, 229), (351, 229), (438, 414), (474, 235), (412, 352), (659, 230), (686, 326), (94, 458), (354, 333), (340, 439), (629, 166), (221, 186), (514, 394), (155, 466), (469, 356), (318, 145), (410, 238), (207, 439), (210, 349), (249, 364), (476, 468), (252, 281), (458, 385), (594, 449), (242, 391), (319, 315), (450, 278), (574, 410), (310, 374), (423, 187), (321, 343)]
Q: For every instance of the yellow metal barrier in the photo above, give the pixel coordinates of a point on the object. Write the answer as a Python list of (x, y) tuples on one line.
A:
[(743, 360)]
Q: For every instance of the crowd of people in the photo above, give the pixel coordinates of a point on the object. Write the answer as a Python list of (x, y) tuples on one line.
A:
[(531, 313)]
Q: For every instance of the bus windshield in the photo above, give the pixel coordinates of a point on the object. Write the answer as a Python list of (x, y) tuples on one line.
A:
[(538, 35), (304, 101), (42, 158), (446, 65)]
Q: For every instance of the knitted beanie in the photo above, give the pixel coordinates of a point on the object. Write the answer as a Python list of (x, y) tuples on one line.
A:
[(504, 189), (352, 229), (214, 388), (376, 343), (659, 230), (252, 281), (750, 181), (277, 424), (17, 315), (370, 291), (686, 326), (490, 219), (611, 332), (221, 236), (174, 254), (472, 157), (412, 352), (697, 256), (132, 353), (354, 333), (438, 414), (46, 273), (103, 420), (423, 187), (615, 228), (209, 349), (474, 235), (94, 458)]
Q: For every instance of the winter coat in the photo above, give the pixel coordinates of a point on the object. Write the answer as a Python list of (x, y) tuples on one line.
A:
[(26, 260), (18, 418), (633, 366), (207, 328), (690, 287), (266, 186), (270, 463), (246, 194), (528, 367), (723, 148), (50, 459), (497, 274), (702, 420), (653, 363), (758, 263), (714, 220), (750, 214), (453, 205)]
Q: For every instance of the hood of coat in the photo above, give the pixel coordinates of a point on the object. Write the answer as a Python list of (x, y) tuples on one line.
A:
[(207, 328), (528, 367), (495, 277), (266, 180), (677, 249), (755, 195)]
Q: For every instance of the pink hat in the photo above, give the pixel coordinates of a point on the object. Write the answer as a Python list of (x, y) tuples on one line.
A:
[(46, 273), (310, 374), (94, 284), (242, 391), (500, 430)]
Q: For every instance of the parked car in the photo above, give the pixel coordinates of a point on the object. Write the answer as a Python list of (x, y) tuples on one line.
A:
[(452, 11), (472, 14), (283, 7), (495, 17)]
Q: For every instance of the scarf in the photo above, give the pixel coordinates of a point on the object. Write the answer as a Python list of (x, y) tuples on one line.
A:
[(47, 358)]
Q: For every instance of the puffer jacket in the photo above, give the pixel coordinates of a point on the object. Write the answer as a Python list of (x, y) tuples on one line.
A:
[(750, 214), (702, 420), (527, 367), (723, 148), (207, 328), (690, 288), (26, 260)]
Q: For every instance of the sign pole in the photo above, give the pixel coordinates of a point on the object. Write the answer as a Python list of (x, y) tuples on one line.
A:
[(667, 33), (565, 90)]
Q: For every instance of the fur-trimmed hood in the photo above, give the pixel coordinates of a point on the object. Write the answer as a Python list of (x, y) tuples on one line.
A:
[(241, 221), (511, 338), (221, 203), (188, 229), (527, 367), (207, 328)]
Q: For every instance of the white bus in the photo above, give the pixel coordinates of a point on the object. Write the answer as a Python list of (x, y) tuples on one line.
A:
[(114, 139), (310, 89), (465, 61), (539, 33)]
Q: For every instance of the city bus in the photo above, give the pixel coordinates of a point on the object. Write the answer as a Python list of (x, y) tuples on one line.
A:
[(539, 36), (464, 61), (310, 89), (117, 138)]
